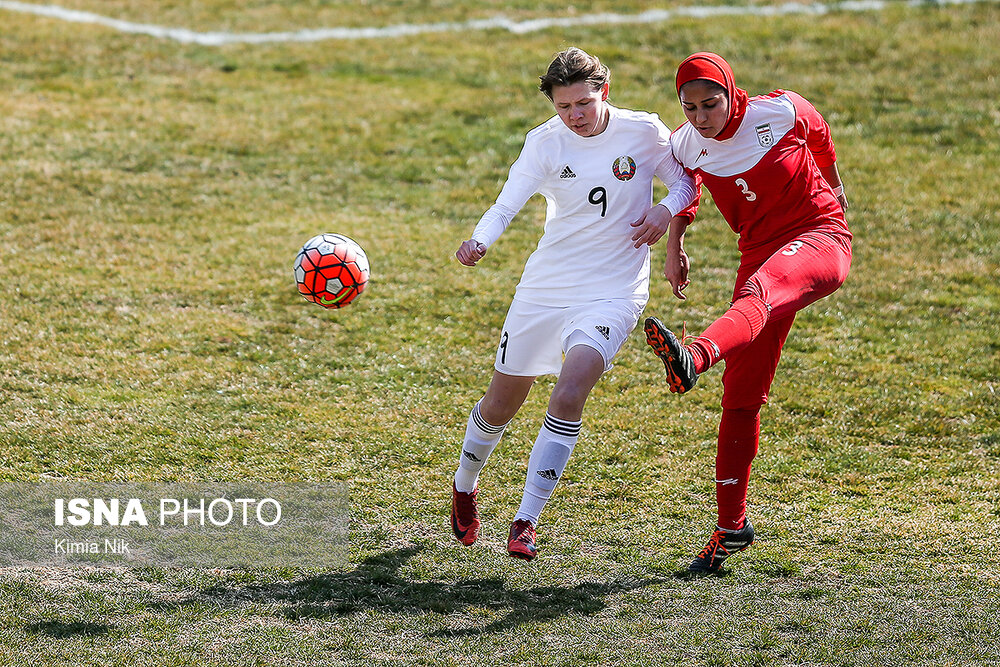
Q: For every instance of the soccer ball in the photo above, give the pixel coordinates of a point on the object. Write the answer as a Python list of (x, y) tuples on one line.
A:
[(331, 270)]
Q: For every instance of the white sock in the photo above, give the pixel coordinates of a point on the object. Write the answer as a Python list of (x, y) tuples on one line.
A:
[(480, 440), (548, 460)]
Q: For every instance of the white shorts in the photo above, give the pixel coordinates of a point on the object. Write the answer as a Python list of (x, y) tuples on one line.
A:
[(535, 338)]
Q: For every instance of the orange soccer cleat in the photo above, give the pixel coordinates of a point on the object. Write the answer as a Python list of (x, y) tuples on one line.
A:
[(676, 358), (722, 545)]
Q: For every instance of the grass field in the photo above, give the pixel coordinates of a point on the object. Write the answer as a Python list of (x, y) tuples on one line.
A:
[(154, 195)]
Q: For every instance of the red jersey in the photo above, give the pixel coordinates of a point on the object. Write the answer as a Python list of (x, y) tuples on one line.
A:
[(765, 179)]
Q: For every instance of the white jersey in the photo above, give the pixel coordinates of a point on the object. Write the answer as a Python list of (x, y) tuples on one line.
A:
[(594, 187)]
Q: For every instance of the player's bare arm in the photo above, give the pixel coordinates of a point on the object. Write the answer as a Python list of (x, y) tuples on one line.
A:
[(832, 176), (470, 252), (651, 227), (677, 263)]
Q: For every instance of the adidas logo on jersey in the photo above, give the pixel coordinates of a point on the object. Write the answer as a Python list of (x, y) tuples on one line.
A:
[(549, 474), (604, 331), (567, 173)]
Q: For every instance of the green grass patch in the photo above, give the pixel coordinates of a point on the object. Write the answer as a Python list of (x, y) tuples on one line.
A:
[(155, 194)]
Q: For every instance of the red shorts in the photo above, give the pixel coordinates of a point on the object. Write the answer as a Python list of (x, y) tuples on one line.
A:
[(804, 270)]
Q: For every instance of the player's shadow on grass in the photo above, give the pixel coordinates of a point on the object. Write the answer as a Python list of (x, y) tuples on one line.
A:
[(375, 584)]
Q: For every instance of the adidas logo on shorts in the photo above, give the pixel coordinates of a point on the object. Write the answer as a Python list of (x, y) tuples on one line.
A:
[(604, 331), (567, 173)]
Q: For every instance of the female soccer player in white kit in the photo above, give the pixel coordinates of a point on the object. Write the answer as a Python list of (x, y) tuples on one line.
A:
[(584, 287)]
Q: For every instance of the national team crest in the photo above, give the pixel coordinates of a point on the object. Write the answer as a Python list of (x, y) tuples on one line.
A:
[(623, 168), (764, 136)]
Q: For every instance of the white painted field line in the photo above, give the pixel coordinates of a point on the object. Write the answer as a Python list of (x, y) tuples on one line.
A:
[(187, 36)]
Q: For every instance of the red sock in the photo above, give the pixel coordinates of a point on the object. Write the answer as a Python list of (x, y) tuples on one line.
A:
[(736, 328), (739, 436)]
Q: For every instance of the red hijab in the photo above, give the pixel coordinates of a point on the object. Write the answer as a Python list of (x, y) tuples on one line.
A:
[(713, 67)]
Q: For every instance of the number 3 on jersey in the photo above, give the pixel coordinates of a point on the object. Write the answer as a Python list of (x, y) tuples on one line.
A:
[(792, 248), (745, 188)]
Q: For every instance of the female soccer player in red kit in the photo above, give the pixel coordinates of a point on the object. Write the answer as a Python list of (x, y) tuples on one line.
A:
[(770, 164)]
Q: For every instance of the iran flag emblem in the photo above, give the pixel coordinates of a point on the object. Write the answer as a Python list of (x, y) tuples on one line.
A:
[(764, 136)]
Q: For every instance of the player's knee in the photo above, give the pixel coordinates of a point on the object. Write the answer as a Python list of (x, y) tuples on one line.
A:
[(498, 410), (753, 287), (567, 401)]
